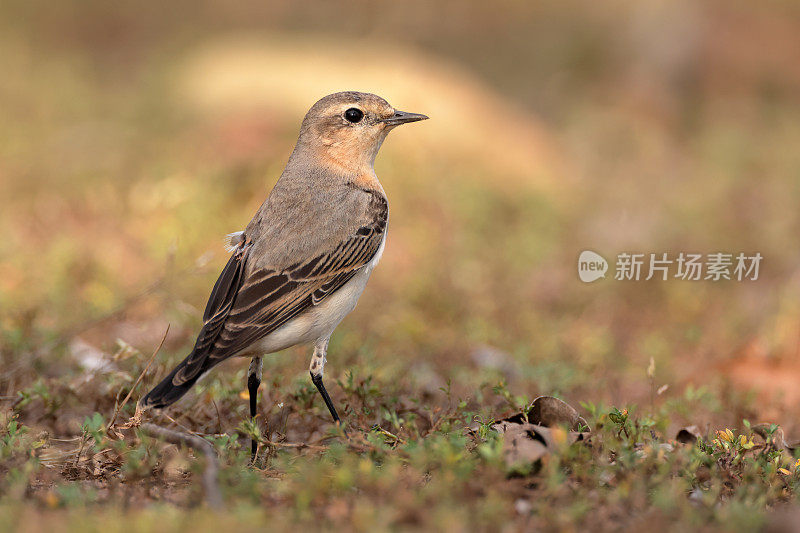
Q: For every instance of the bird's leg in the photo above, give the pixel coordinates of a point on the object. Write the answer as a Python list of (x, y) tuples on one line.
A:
[(253, 382), (316, 368)]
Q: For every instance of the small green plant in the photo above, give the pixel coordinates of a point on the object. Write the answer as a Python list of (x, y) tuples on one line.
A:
[(13, 437), (517, 403), (94, 427), (621, 420), (39, 390)]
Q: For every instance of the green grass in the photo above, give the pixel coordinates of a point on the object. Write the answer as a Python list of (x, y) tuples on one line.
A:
[(404, 465)]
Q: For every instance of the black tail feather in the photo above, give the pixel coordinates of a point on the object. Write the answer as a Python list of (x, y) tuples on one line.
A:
[(166, 393)]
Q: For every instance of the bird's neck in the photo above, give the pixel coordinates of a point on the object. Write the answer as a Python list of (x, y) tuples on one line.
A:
[(340, 162)]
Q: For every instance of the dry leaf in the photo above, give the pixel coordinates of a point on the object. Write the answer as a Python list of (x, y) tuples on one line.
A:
[(524, 444), (688, 435), (551, 412), (529, 438)]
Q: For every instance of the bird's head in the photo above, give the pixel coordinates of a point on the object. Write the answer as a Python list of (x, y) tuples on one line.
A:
[(346, 129)]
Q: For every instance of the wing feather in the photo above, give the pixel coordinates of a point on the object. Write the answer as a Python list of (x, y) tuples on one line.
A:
[(245, 308)]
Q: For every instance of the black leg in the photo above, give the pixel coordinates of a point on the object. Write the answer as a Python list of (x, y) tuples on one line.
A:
[(253, 382), (317, 380)]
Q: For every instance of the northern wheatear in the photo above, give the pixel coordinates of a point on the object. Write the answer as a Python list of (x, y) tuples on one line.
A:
[(304, 259)]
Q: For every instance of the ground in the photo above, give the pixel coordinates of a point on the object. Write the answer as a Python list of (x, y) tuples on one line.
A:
[(134, 139)]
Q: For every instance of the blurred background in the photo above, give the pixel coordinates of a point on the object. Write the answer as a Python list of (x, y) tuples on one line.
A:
[(135, 135)]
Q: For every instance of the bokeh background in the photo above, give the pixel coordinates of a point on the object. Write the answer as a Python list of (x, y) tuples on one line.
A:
[(135, 135)]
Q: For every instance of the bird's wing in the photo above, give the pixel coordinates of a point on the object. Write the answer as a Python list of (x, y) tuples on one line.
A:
[(248, 304)]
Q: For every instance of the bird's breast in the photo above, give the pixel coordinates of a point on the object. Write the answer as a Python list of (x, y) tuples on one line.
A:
[(318, 321)]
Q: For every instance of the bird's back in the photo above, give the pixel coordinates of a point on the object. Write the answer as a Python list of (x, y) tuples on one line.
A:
[(316, 209)]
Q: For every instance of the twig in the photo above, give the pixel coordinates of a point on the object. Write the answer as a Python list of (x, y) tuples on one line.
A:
[(136, 383), (210, 483), (219, 418), (184, 428), (296, 445)]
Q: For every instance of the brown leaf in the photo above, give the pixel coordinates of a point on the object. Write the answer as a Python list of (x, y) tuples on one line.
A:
[(530, 437), (688, 435), (525, 444), (550, 412)]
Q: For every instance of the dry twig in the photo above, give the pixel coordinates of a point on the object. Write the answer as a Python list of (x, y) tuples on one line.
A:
[(136, 383)]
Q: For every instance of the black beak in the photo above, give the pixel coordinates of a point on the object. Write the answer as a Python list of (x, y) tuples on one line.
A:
[(402, 117)]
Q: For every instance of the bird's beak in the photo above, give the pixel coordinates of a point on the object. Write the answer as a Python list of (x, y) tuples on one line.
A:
[(402, 117)]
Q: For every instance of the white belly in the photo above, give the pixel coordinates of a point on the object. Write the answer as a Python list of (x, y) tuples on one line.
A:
[(318, 322)]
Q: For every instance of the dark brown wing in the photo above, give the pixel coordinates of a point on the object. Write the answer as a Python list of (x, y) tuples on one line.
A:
[(267, 299), (245, 308)]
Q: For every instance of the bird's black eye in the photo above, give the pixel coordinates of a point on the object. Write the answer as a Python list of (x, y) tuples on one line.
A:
[(353, 115)]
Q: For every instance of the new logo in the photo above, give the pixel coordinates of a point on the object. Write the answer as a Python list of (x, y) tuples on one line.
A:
[(591, 266)]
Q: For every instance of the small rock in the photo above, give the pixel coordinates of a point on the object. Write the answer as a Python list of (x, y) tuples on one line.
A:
[(523, 507)]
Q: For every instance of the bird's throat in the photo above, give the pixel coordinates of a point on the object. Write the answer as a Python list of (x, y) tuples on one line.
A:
[(356, 166)]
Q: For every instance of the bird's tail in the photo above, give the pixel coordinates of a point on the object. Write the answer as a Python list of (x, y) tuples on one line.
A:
[(166, 392)]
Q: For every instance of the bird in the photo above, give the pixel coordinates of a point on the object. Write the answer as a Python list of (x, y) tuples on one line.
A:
[(301, 264)]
